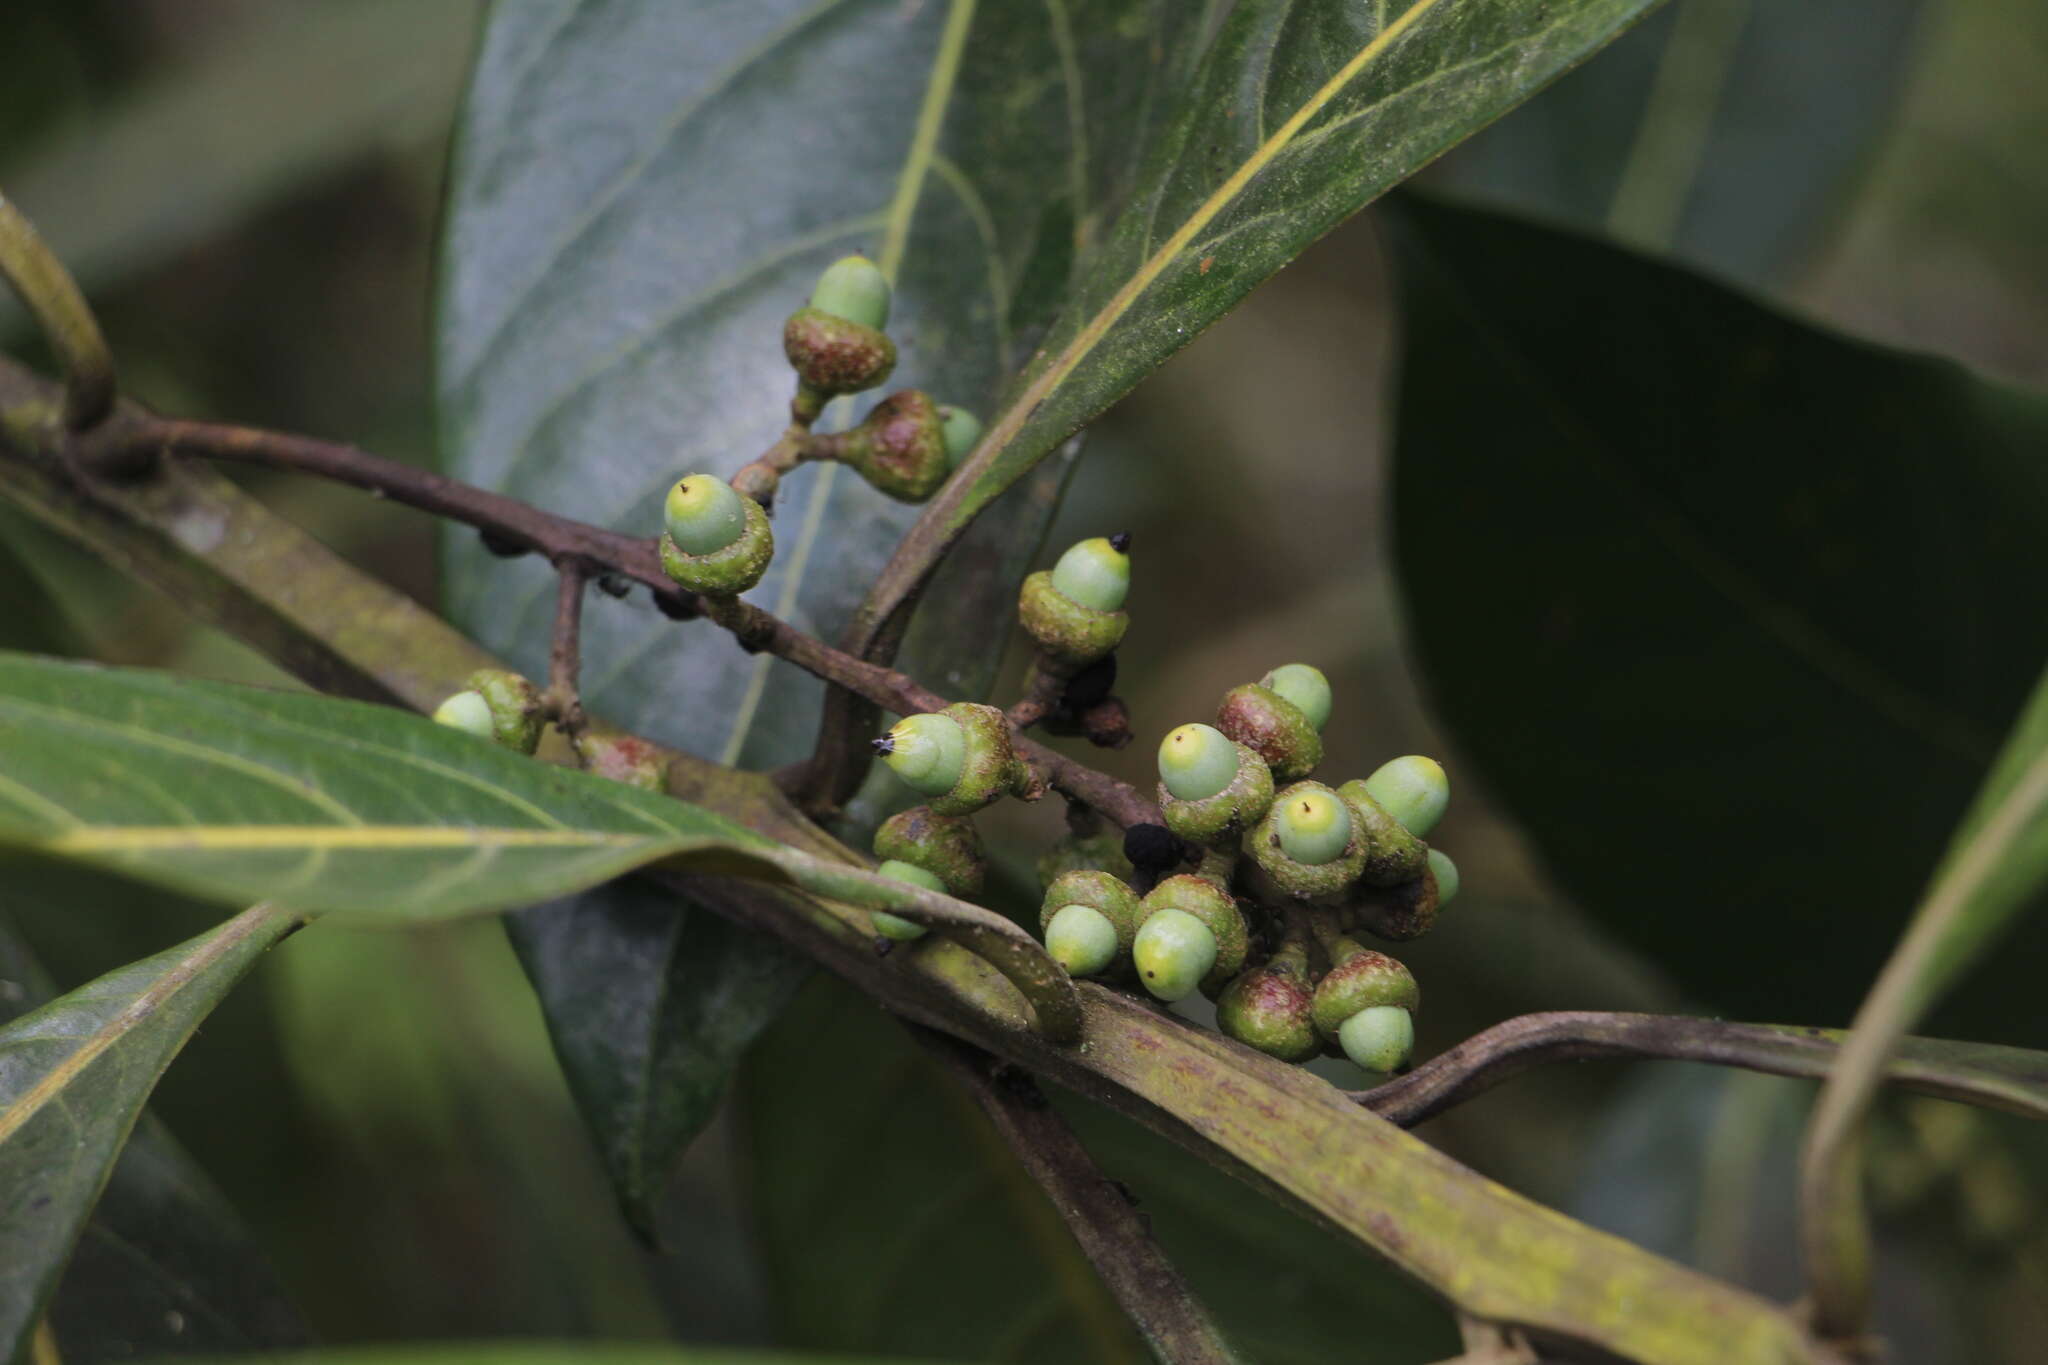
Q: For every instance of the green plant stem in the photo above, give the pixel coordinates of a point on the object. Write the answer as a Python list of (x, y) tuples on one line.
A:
[(1101, 1217), (46, 288)]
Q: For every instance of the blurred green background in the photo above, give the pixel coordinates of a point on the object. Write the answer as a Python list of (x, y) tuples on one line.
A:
[(250, 190)]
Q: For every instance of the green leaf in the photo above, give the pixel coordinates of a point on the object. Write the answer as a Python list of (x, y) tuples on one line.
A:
[(1730, 610), (73, 1078), (957, 1250), (1678, 137), (651, 1001), (163, 1263), (236, 794), (1296, 116)]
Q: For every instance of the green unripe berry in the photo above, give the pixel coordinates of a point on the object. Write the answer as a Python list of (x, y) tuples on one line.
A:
[(703, 514), (1273, 727), (1414, 790), (1081, 939), (1360, 979), (927, 751), (947, 846), (1446, 873), (1098, 891), (1268, 1008), (899, 447), (1380, 1039), (1306, 687), (895, 926), (854, 288), (468, 712), (1096, 573), (961, 430), (1173, 951), (1196, 761), (1314, 826), (515, 707)]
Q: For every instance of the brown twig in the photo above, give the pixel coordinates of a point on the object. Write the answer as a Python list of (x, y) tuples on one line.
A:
[(130, 439), (1101, 1214), (565, 652)]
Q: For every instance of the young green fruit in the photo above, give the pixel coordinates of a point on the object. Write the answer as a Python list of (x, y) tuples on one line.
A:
[(895, 926), (962, 429), (1268, 1008), (1308, 844), (854, 287), (833, 355), (947, 846), (1380, 1039), (703, 510), (1392, 854), (1414, 790), (1446, 873), (1213, 905), (1074, 611), (1314, 825), (703, 514), (1081, 938), (1198, 758), (1096, 891), (960, 757), (1173, 952), (900, 447), (1274, 727), (515, 707), (468, 712), (1358, 979), (1306, 687)]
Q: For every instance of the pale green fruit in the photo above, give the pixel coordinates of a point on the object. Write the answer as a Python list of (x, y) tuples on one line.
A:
[(895, 926), (1306, 687), (1314, 826), (854, 288), (1173, 951), (1096, 573), (1379, 1039), (1446, 876), (1081, 939), (468, 712), (1196, 761), (1414, 790), (703, 514), (961, 430), (927, 751)]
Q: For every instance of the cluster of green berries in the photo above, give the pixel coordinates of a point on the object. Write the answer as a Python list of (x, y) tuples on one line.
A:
[(1290, 870), (716, 538)]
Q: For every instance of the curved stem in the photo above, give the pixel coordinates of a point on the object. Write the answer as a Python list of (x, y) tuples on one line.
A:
[(46, 288)]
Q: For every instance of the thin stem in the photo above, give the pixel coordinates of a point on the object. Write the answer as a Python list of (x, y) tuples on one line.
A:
[(46, 288), (1103, 1218), (565, 654)]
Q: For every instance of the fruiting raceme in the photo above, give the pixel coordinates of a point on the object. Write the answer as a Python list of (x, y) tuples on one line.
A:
[(1194, 758), (900, 447), (1215, 909), (1272, 726), (732, 529), (947, 846), (1268, 1007), (1414, 790), (1074, 611), (1308, 843), (895, 926), (960, 757)]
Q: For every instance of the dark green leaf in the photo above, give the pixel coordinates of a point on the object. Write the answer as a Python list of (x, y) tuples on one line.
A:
[(1731, 610), (958, 1251), (1679, 136), (650, 1002), (164, 1263), (30, 617), (73, 1078)]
